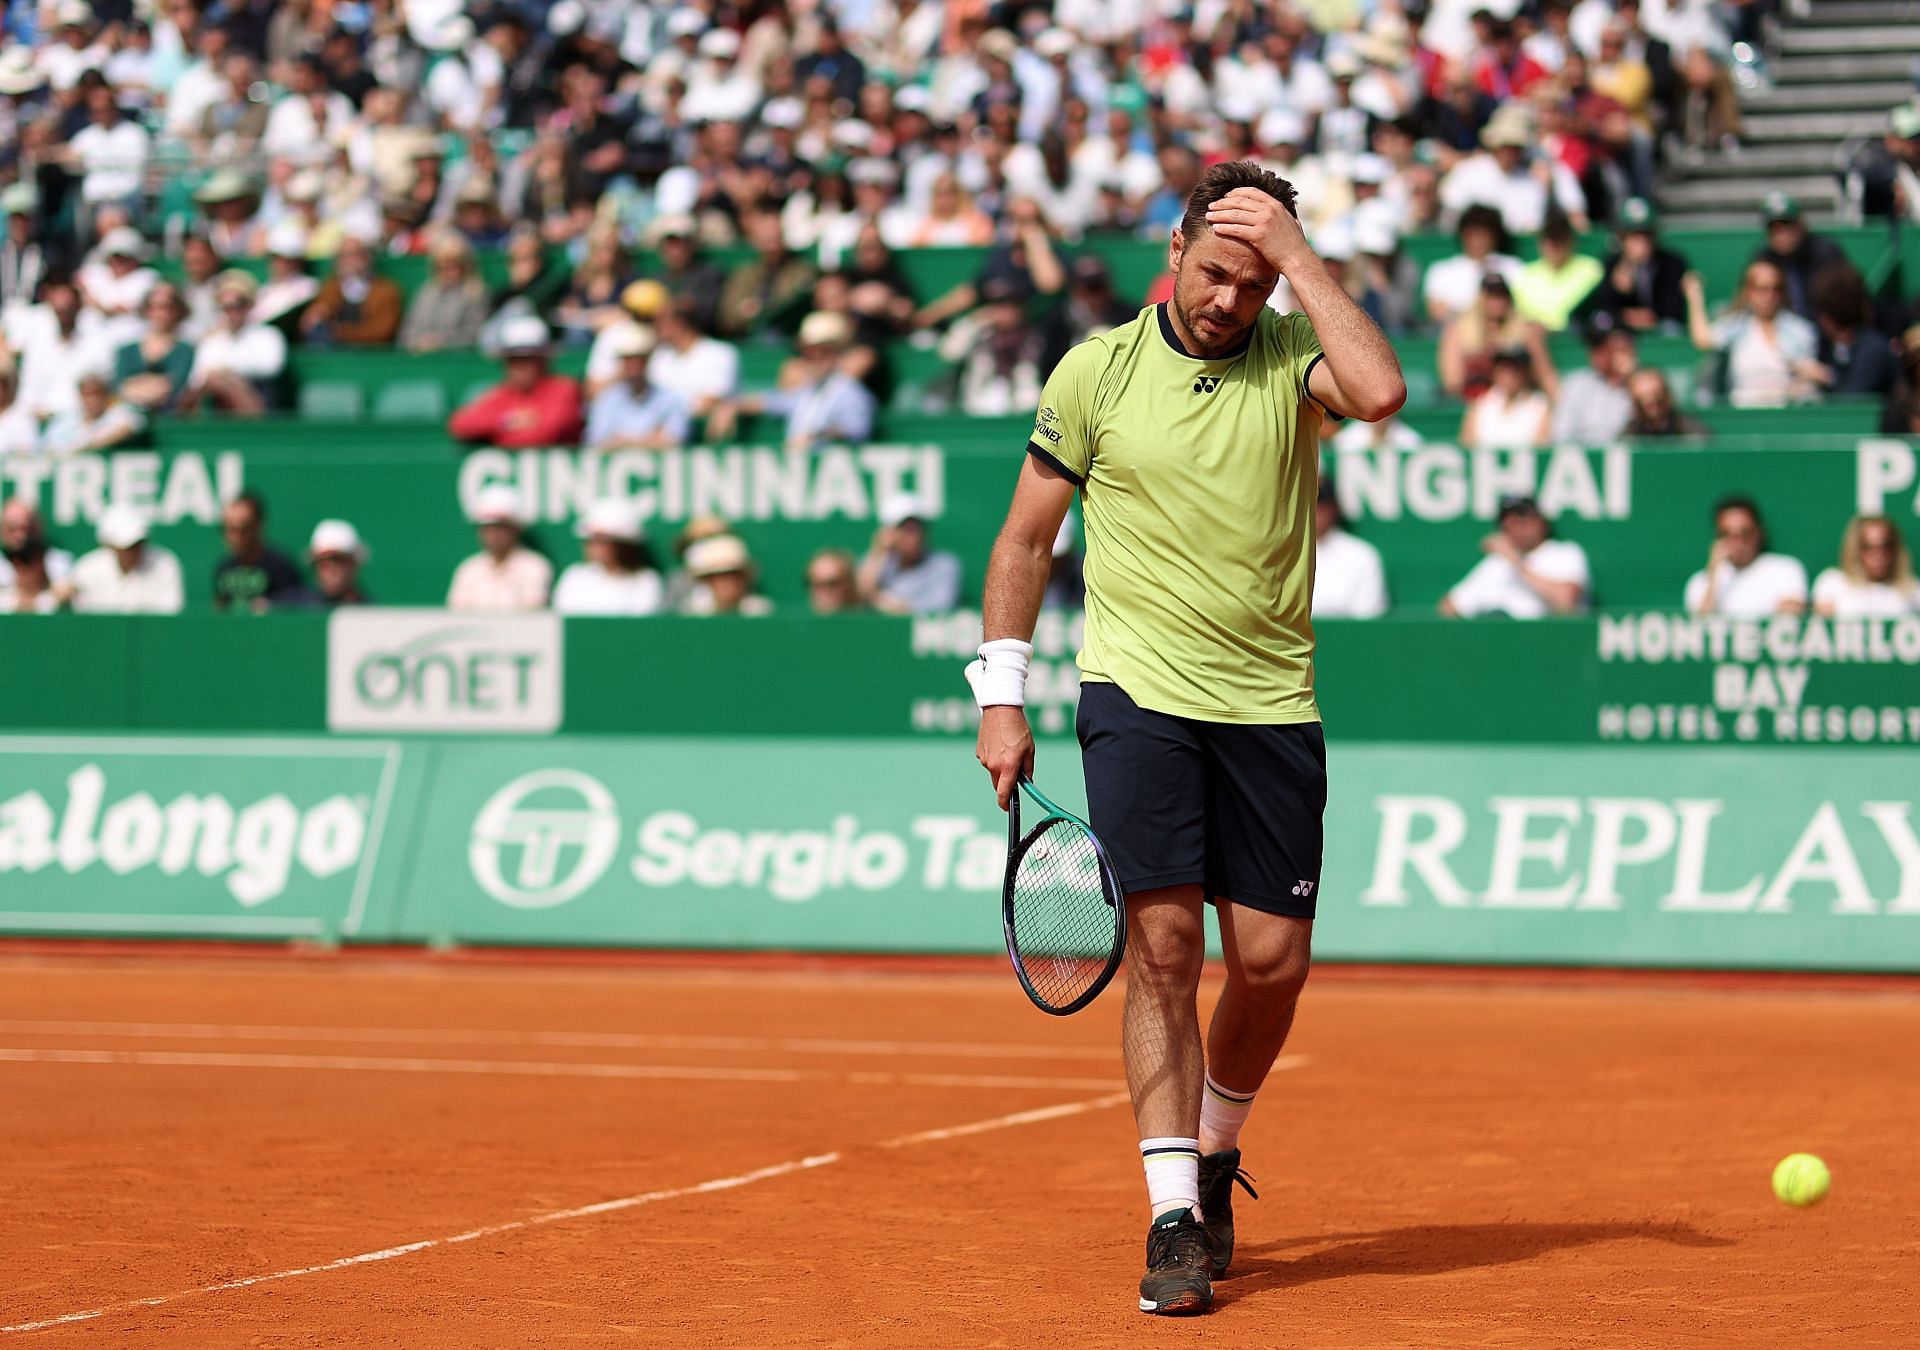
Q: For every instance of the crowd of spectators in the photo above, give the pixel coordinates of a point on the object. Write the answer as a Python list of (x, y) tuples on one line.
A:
[(599, 145), (566, 172), (710, 571)]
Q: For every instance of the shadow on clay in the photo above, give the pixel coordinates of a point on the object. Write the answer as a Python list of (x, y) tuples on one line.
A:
[(1432, 1249)]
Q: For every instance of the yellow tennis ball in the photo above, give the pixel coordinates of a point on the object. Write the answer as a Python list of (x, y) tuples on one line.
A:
[(1801, 1180)]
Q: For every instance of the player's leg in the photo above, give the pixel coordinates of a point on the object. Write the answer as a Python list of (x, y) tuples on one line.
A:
[(1266, 796), (1146, 801), (1160, 1027), (1160, 1040), (1267, 956)]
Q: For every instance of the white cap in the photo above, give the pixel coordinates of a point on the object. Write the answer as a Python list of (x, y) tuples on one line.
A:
[(123, 241), (631, 339), (566, 18), (720, 43), (74, 12), (1282, 126), (1376, 228), (1344, 65), (524, 333), (497, 505), (1235, 107), (784, 112), (451, 34), (121, 525), (716, 554), (852, 134), (305, 186), (912, 98), (287, 239), (612, 518), (18, 74), (686, 23), (873, 170), (1054, 42), (1334, 241), (825, 328), (1374, 169), (900, 507), (337, 536)]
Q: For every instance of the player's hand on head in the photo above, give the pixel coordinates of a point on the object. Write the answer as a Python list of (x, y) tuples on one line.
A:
[(1252, 217)]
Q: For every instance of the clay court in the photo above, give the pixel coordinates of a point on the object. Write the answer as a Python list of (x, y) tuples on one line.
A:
[(218, 1150)]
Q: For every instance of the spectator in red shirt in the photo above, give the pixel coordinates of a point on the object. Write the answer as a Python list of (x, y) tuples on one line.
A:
[(1501, 69), (532, 406)]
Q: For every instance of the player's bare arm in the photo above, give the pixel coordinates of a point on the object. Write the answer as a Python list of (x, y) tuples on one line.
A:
[(1016, 580), (1360, 376)]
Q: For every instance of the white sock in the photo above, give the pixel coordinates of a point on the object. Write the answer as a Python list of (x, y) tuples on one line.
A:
[(1173, 1174), (1222, 1113)]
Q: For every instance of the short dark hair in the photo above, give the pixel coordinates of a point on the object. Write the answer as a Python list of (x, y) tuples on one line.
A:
[(1839, 292), (254, 502), (1483, 217), (1739, 501), (1221, 179)]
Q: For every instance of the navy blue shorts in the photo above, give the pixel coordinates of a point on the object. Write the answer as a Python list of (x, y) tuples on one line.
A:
[(1233, 807)]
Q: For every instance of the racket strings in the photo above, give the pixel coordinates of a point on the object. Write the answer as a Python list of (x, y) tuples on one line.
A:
[(1064, 930)]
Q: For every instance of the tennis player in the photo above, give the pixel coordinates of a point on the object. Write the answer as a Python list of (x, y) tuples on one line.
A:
[(1192, 435)]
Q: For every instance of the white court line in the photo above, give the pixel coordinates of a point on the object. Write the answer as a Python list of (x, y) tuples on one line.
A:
[(562, 1215), (214, 1059), (604, 1040), (426, 1244)]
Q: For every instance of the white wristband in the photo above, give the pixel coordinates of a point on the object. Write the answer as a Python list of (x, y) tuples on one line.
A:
[(999, 677)]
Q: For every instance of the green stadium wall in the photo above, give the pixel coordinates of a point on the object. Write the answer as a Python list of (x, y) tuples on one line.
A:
[(1634, 679), (1641, 513)]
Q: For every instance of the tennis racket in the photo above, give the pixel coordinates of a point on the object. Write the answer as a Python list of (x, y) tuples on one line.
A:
[(1065, 917)]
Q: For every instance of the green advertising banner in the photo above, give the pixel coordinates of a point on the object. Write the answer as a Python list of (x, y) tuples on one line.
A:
[(1614, 855), (1635, 679), (1642, 514), (1437, 853), (202, 837)]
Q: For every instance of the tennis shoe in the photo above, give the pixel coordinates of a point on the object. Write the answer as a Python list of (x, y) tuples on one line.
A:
[(1177, 1279), (1218, 1173)]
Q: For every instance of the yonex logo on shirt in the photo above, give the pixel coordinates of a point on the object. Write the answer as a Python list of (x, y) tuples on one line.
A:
[(1206, 384)]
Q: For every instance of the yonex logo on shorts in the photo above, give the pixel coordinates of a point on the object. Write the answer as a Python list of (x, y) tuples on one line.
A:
[(1206, 384), (1303, 888)]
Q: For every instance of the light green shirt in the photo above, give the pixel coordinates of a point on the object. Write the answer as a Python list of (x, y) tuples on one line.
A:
[(1198, 480), (1549, 297)]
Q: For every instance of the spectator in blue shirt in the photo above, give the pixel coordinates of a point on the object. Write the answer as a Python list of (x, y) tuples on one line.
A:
[(631, 414), (901, 574), (827, 405)]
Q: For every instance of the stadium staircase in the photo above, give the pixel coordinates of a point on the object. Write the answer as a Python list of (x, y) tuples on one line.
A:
[(1834, 70)]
